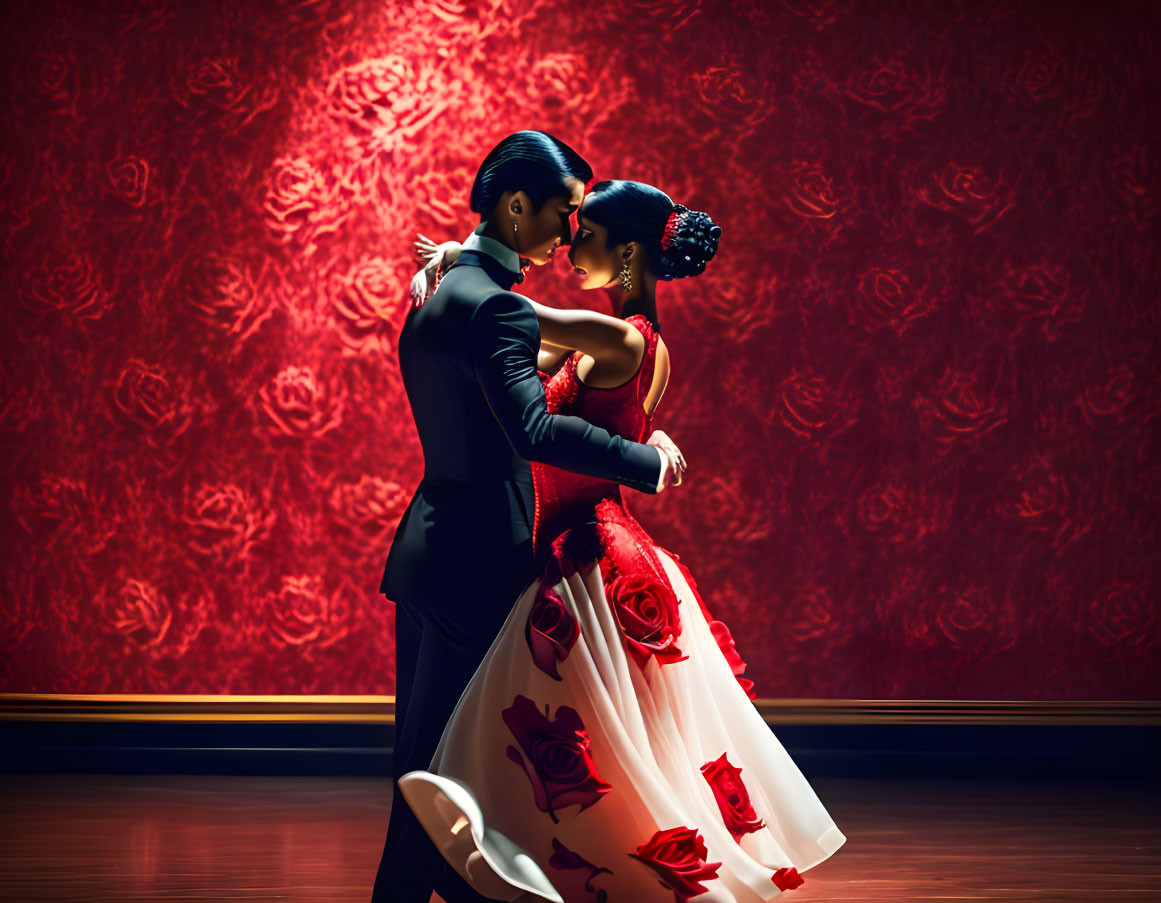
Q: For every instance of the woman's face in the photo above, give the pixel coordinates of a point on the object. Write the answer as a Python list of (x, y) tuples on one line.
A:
[(594, 263)]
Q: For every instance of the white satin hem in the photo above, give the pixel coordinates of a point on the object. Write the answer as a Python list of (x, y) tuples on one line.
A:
[(490, 862)]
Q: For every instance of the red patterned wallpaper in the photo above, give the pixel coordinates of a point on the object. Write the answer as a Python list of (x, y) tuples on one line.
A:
[(917, 388)]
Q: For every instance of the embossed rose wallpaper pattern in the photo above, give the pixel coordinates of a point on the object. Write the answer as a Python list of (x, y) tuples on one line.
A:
[(917, 388)]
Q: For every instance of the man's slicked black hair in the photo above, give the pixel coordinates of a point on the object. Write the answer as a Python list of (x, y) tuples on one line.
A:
[(529, 161)]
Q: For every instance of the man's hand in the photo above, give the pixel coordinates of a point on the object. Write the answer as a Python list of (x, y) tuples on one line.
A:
[(675, 469)]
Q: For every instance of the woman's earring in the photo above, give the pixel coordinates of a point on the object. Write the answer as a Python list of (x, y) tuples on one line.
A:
[(626, 278)]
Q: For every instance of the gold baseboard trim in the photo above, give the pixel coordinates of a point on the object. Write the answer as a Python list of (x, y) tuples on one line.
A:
[(381, 709), (958, 711)]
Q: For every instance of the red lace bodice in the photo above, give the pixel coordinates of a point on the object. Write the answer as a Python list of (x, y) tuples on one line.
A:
[(564, 499), (611, 536)]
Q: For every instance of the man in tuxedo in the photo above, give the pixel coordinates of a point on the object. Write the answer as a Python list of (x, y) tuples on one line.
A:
[(463, 550)]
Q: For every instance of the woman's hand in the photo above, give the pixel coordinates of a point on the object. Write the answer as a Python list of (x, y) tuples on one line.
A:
[(438, 257)]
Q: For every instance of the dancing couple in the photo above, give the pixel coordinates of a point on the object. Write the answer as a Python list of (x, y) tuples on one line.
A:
[(571, 721)]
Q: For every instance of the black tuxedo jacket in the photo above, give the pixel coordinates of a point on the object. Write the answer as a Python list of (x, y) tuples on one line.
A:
[(468, 359)]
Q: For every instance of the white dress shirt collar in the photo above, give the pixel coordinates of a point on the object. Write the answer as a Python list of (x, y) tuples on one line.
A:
[(499, 252)]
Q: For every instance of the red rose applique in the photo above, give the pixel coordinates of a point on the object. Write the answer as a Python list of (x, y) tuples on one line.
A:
[(564, 858), (646, 611), (550, 632), (556, 756), (720, 631), (732, 797), (725, 641), (678, 855), (787, 879)]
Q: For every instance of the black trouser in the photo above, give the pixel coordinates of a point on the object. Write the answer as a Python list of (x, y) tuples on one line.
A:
[(434, 660)]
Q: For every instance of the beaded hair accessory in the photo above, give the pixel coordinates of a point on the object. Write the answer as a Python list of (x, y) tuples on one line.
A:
[(672, 226)]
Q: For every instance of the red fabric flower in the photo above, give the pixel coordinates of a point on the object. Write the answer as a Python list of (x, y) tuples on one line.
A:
[(678, 855), (725, 641), (787, 879), (646, 610), (732, 797), (720, 631), (550, 632), (557, 751)]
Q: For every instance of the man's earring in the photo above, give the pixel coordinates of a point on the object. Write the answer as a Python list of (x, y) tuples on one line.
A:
[(626, 278)]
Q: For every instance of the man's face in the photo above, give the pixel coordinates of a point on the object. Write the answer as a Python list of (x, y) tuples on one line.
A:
[(543, 232)]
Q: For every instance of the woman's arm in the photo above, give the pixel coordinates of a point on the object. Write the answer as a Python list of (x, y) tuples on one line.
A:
[(439, 257), (615, 346), (550, 357)]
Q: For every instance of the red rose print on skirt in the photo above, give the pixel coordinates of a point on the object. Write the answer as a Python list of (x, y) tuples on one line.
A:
[(732, 797), (551, 631), (555, 756), (787, 879), (564, 858), (678, 855), (646, 611)]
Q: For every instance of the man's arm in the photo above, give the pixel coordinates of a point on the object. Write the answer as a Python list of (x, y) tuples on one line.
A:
[(505, 338)]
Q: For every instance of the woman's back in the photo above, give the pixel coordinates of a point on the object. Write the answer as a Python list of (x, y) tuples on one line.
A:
[(564, 499)]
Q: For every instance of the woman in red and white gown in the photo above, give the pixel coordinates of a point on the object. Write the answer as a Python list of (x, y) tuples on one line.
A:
[(607, 748)]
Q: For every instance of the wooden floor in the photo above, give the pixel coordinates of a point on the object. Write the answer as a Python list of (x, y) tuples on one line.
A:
[(103, 838)]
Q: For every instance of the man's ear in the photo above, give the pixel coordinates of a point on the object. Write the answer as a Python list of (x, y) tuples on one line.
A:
[(518, 203)]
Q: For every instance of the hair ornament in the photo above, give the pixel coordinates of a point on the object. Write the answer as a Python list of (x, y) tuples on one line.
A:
[(672, 226)]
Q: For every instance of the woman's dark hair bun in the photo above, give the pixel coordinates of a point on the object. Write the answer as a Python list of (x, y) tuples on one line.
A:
[(678, 242), (689, 244)]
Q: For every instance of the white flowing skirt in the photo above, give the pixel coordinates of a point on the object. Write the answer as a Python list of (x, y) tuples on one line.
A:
[(601, 785)]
